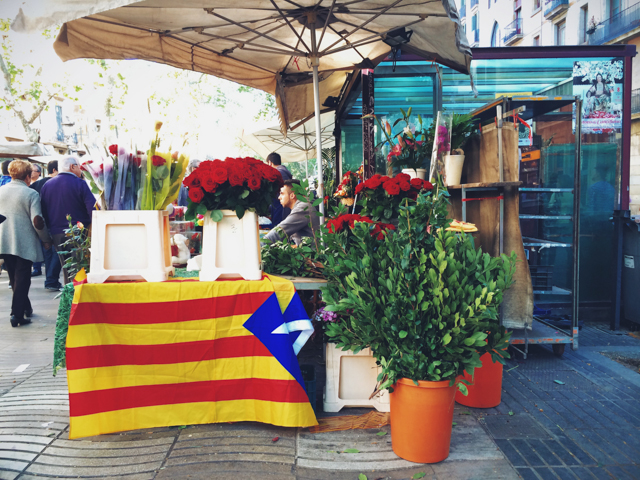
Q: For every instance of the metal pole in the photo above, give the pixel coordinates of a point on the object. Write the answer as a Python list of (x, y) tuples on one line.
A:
[(315, 61), (575, 294), (501, 176)]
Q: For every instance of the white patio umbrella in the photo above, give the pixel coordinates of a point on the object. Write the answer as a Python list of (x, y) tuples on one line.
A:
[(300, 143), (267, 44)]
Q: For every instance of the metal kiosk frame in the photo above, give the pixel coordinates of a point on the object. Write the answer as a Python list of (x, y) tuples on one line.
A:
[(541, 331)]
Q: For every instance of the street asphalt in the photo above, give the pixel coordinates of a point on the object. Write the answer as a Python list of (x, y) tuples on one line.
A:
[(575, 417)]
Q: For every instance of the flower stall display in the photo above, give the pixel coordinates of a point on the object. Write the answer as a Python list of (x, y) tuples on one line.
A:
[(461, 127), (346, 191), (381, 196), (231, 194), (134, 242), (422, 298), (409, 148)]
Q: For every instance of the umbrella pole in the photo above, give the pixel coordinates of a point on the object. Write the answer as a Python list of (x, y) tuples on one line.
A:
[(316, 103)]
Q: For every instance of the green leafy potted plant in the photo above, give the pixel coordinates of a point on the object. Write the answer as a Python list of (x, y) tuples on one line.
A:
[(420, 298), (461, 127)]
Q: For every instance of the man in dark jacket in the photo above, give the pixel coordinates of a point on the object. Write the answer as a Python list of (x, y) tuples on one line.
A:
[(66, 194), (53, 270), (278, 212)]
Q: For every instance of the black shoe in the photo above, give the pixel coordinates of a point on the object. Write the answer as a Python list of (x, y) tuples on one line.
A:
[(36, 274), (15, 321), (26, 321), (28, 313), (57, 288)]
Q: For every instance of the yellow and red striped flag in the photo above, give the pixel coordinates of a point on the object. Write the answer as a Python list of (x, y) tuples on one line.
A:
[(142, 355)]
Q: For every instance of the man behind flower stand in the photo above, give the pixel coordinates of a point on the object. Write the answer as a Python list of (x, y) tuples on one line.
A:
[(302, 222)]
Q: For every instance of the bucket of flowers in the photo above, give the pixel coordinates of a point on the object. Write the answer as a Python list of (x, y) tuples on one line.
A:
[(346, 191), (231, 194)]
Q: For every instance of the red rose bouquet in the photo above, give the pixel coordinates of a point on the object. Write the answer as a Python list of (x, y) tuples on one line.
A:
[(238, 184), (381, 196), (346, 191), (344, 223)]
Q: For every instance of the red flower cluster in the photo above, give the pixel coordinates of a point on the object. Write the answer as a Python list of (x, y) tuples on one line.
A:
[(337, 225), (394, 186), (158, 161), (113, 149), (234, 172)]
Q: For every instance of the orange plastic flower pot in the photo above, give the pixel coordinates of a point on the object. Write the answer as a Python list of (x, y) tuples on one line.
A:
[(486, 388), (421, 420)]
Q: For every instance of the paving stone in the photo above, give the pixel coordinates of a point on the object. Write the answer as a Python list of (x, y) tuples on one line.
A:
[(582, 473), (16, 455), (511, 453), (527, 474), (23, 447), (564, 473), (107, 452), (235, 440), (404, 474), (545, 473), (577, 451), (527, 452), (7, 475), (559, 451), (541, 449), (622, 473), (98, 461), (234, 449), (12, 465), (60, 471), (135, 476), (25, 439), (230, 469), (516, 426), (231, 457), (600, 473), (601, 441), (99, 445), (495, 470)]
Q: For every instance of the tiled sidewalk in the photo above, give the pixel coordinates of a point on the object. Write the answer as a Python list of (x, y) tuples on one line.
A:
[(586, 427)]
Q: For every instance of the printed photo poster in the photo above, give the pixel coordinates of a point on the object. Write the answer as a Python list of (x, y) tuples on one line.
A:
[(599, 84)]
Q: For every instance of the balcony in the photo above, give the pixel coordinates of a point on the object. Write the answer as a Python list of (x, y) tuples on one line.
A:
[(635, 101), (463, 10), (512, 32), (624, 22), (553, 8), (473, 4)]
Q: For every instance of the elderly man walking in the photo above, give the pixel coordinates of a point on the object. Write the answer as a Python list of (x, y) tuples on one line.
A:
[(66, 194), (51, 264)]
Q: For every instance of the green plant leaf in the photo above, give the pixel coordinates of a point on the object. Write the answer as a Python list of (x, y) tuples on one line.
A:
[(419, 475), (216, 215), (351, 450), (362, 476), (201, 209), (381, 434), (402, 334)]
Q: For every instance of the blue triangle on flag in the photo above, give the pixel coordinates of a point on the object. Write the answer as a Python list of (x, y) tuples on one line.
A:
[(264, 321)]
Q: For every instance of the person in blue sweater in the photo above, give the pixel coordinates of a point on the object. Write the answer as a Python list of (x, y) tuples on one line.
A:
[(66, 194)]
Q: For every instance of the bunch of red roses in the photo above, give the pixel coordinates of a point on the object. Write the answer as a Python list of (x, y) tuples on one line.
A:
[(347, 187), (235, 184), (380, 196), (343, 222)]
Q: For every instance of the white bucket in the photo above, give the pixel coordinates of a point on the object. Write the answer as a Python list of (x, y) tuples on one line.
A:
[(453, 169)]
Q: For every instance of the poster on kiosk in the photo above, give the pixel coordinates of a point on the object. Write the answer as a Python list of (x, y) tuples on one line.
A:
[(599, 85)]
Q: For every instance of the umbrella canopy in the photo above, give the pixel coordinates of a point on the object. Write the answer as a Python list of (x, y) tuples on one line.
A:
[(265, 44), (299, 144), (273, 45)]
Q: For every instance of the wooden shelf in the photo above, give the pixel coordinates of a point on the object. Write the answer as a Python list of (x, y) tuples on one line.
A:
[(484, 185)]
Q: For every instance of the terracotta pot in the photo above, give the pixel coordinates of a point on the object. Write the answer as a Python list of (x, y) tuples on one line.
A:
[(487, 385), (421, 420)]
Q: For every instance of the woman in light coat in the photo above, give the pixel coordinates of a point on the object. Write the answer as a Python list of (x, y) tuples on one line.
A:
[(20, 236)]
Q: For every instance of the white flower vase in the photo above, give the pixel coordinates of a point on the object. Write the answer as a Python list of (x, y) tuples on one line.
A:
[(130, 245), (453, 169), (420, 173), (231, 247), (351, 379)]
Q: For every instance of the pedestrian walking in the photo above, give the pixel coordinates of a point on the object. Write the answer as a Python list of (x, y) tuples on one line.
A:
[(66, 194), (51, 264), (20, 236)]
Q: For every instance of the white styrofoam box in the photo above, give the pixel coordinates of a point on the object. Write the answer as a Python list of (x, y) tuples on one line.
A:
[(231, 247), (351, 379), (130, 245)]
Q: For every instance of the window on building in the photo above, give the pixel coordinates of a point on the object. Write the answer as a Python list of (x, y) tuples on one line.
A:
[(614, 7), (495, 35), (517, 14), (560, 31), (584, 22), (536, 41), (536, 5), (474, 22)]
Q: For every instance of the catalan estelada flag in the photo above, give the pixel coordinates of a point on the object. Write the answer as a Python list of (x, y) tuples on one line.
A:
[(142, 355)]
